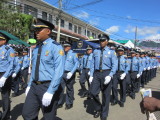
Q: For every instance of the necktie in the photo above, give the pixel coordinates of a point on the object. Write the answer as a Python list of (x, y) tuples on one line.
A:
[(131, 63), (118, 63), (101, 58), (87, 61), (38, 62)]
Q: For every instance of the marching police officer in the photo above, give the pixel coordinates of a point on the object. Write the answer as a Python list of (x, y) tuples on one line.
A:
[(135, 72), (86, 65), (71, 65), (47, 70), (16, 73), (144, 69), (24, 68), (120, 76), (6, 68), (103, 67)]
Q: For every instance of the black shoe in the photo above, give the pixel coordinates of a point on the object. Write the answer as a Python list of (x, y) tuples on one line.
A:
[(83, 95), (114, 103), (14, 94), (121, 104), (103, 118), (60, 105), (133, 96), (68, 106), (0, 115), (97, 114)]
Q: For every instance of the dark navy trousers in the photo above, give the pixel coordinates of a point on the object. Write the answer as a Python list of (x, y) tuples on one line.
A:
[(133, 76), (5, 93), (68, 83), (97, 86), (83, 78), (116, 80), (33, 103)]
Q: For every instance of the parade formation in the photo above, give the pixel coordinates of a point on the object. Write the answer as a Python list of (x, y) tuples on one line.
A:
[(54, 66)]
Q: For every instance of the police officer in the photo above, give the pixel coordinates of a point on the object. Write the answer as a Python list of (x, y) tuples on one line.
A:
[(144, 69), (47, 70), (120, 76), (86, 65), (71, 65), (24, 68), (6, 68), (103, 67), (16, 73), (135, 72)]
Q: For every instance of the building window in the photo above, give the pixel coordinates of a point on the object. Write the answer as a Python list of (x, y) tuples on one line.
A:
[(50, 18), (62, 23), (44, 15), (79, 30), (88, 33), (70, 26), (30, 10), (75, 29)]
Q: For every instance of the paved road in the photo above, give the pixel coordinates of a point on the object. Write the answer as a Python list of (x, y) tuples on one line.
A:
[(83, 109)]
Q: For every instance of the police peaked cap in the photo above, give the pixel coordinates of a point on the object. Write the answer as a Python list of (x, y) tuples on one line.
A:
[(3, 37), (67, 45), (120, 48), (40, 23), (89, 48), (133, 51), (103, 37)]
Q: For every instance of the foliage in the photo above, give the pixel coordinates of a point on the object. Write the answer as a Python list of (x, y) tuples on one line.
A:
[(13, 21)]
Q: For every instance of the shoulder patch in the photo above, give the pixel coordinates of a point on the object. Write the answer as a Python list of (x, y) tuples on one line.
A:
[(11, 54), (7, 48), (61, 52), (54, 42), (20, 62), (115, 53)]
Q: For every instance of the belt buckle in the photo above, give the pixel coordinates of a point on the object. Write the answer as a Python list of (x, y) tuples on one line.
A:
[(101, 70), (38, 82)]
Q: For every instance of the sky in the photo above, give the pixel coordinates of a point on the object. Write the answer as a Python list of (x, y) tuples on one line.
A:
[(118, 18)]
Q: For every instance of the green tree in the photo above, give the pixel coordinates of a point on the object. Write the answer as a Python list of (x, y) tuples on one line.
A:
[(13, 21)]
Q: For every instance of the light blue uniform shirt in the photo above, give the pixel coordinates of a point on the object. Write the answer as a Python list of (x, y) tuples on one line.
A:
[(6, 60), (51, 64), (109, 61), (143, 62), (71, 61), (26, 61), (136, 65), (85, 63), (17, 64), (123, 64)]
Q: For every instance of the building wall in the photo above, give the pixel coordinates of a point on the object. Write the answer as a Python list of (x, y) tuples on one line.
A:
[(36, 7)]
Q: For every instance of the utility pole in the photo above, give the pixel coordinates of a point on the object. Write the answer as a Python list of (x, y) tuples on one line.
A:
[(135, 42), (59, 21)]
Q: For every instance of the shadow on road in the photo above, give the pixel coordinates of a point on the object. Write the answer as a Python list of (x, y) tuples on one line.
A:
[(16, 111), (57, 118), (88, 104)]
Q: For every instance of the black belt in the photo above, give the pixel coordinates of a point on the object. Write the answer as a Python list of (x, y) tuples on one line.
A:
[(102, 70), (86, 68), (41, 82), (66, 71), (133, 71), (120, 71)]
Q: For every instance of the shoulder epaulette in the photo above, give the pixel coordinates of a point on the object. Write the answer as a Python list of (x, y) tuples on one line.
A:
[(7, 47), (54, 42)]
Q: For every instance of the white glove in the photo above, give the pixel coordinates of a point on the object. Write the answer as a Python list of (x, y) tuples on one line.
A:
[(122, 76), (22, 68), (107, 80), (14, 75), (69, 75), (138, 75), (2, 81), (89, 73), (144, 69), (148, 68), (141, 73), (47, 98), (27, 90), (154, 66), (90, 79)]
